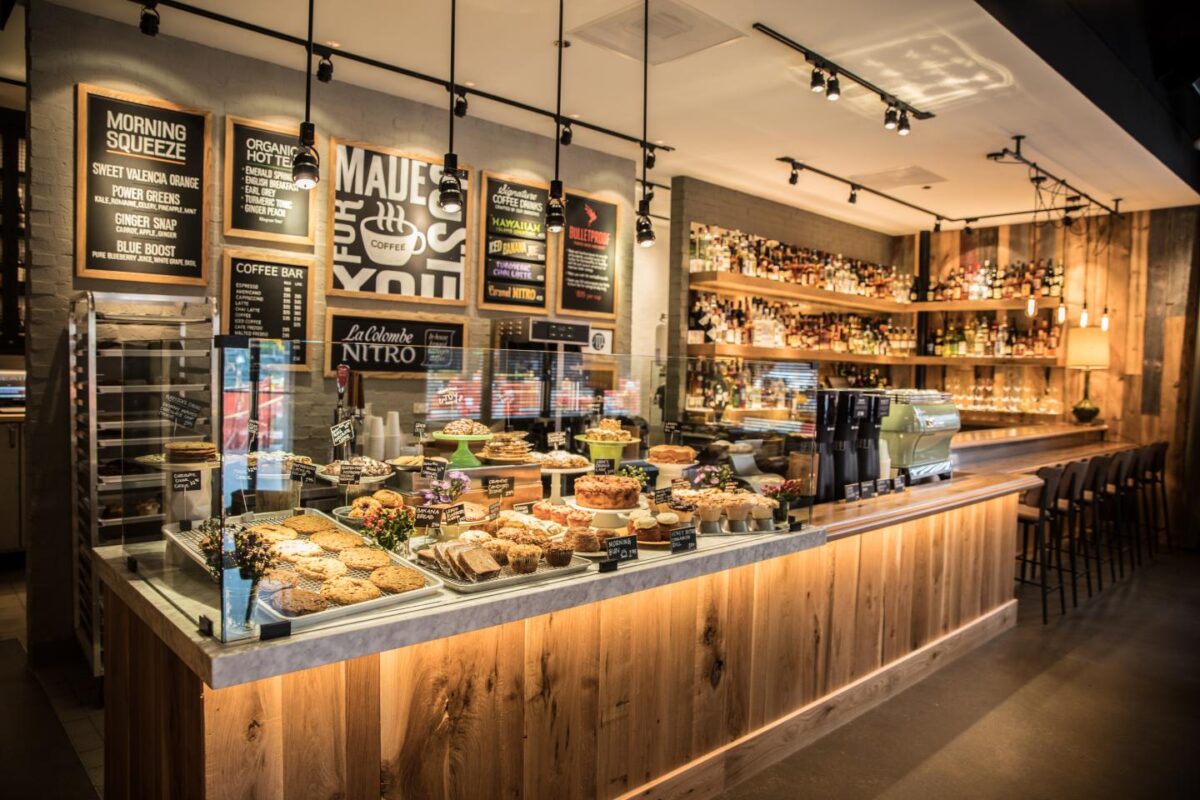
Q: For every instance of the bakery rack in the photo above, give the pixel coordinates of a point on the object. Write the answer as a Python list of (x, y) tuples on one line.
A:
[(127, 352)]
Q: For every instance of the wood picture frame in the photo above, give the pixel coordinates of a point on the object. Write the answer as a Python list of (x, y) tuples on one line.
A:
[(560, 254), (330, 370), (482, 254), (83, 93), (331, 200), (306, 262), (227, 188)]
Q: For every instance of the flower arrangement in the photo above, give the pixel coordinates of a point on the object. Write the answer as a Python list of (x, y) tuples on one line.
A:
[(637, 473), (447, 489), (250, 554), (791, 491), (711, 477), (388, 527)]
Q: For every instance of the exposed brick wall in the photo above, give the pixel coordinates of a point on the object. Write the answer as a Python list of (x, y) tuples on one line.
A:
[(67, 47)]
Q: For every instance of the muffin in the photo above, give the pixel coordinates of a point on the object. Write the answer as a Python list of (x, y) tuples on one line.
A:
[(542, 509), (685, 511), (558, 554), (737, 507), (645, 528), (560, 514), (585, 540), (667, 522), (499, 549), (640, 513), (763, 507), (510, 532), (579, 519), (523, 558), (710, 511)]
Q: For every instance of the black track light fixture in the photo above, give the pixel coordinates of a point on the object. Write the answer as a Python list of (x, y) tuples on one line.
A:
[(567, 136), (817, 82), (794, 178), (937, 226), (325, 69), (450, 191), (306, 164), (148, 22), (890, 117), (460, 106), (650, 158), (645, 226), (833, 88), (967, 229), (903, 128), (853, 194), (556, 212)]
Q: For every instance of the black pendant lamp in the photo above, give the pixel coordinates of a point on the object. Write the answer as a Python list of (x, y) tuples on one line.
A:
[(306, 164), (450, 197), (645, 226), (556, 212)]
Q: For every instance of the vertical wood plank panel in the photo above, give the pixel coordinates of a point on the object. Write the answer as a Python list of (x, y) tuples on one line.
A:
[(314, 732), (362, 727), (868, 611), (844, 566), (244, 739)]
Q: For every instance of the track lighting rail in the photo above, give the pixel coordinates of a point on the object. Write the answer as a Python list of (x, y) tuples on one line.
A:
[(1015, 153), (408, 73)]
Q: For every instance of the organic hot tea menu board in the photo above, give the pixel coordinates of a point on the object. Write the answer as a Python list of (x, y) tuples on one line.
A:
[(265, 296), (142, 165), (513, 255), (387, 344), (261, 201), (388, 238), (587, 279)]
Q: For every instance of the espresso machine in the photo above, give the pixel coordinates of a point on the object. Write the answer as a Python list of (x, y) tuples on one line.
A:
[(918, 429), (851, 411), (826, 411), (878, 406)]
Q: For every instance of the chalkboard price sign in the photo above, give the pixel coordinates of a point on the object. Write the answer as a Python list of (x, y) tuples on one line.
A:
[(523, 508), (180, 410), (898, 483), (622, 548), (349, 474), (187, 481), (304, 473), (261, 201), (269, 297), (512, 261), (683, 540), (867, 490), (427, 516), (141, 176), (341, 432), (851, 491), (587, 270), (883, 486), (453, 515), (433, 469), (662, 496), (385, 344), (603, 466), (500, 487), (556, 439)]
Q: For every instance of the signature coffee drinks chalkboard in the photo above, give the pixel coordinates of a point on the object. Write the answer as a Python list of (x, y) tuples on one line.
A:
[(141, 204), (587, 261), (265, 296), (512, 258), (261, 201), (388, 238), (393, 344)]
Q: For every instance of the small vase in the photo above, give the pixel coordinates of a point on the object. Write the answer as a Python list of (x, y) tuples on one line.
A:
[(781, 513)]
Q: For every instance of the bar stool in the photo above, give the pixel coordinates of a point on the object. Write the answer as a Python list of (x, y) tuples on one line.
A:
[(1141, 480), (1115, 506), (1034, 516), (1158, 492), (1067, 519), (1095, 480)]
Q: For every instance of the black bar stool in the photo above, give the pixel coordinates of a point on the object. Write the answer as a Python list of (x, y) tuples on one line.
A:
[(1034, 516), (1067, 520), (1115, 506), (1158, 493), (1095, 480), (1140, 478)]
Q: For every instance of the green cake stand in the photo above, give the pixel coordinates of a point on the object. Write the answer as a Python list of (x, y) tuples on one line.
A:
[(462, 456)]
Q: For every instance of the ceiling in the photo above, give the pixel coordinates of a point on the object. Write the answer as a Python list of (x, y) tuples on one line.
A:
[(731, 109)]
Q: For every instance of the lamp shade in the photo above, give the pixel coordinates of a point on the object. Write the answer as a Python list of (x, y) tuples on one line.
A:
[(1087, 348)]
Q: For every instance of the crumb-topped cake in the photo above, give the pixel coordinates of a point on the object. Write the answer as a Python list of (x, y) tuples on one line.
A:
[(607, 491), (671, 454), (465, 427), (609, 430)]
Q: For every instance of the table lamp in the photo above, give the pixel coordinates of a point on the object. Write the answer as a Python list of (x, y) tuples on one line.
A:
[(1087, 349)]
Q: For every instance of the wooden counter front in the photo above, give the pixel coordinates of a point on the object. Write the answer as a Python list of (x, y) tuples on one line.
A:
[(679, 690)]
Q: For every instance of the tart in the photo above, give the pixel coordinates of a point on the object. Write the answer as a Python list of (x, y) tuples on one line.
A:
[(558, 554), (671, 454), (523, 558), (607, 491), (348, 591)]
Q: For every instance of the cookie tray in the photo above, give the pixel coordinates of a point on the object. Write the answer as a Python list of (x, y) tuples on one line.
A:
[(507, 578), (189, 543)]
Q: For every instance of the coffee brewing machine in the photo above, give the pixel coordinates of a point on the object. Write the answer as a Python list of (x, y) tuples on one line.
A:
[(869, 429), (825, 418), (918, 429)]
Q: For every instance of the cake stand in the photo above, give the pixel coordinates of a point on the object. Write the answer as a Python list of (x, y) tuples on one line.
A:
[(462, 457), (667, 473), (556, 481), (603, 449), (610, 518)]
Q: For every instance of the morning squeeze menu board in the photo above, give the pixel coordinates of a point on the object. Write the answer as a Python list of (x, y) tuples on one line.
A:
[(587, 281), (265, 296), (513, 255), (141, 204), (389, 240), (261, 200)]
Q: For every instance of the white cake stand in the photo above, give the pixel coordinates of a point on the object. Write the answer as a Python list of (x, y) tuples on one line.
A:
[(670, 472), (556, 481), (610, 518)]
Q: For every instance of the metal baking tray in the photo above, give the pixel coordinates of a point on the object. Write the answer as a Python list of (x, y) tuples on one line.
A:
[(726, 532), (507, 578), (189, 543)]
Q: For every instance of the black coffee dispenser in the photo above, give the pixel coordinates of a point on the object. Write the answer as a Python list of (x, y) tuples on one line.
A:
[(825, 421), (878, 406), (851, 410)]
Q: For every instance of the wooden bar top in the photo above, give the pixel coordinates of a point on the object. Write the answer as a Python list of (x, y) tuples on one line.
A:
[(987, 437), (1032, 462)]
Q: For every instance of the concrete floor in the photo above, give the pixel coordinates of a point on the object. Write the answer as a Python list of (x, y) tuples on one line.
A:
[(1104, 702)]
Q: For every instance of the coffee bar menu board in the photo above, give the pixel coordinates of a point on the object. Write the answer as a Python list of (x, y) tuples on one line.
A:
[(512, 257), (393, 344), (266, 296), (261, 201), (389, 240), (587, 259), (141, 204)]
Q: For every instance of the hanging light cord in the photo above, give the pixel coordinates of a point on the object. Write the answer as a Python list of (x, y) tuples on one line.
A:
[(453, 85), (558, 99), (308, 64), (645, 87)]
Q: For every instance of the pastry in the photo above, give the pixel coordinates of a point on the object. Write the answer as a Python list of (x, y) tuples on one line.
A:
[(388, 499), (272, 533), (474, 512), (542, 509), (559, 514), (671, 454), (296, 549), (710, 510), (365, 558), (408, 462), (667, 522), (510, 532), (320, 568), (644, 528), (475, 537), (685, 510), (348, 591), (609, 430), (764, 507), (465, 427), (308, 523), (586, 540), (396, 579), (276, 579), (509, 446), (579, 519), (147, 508), (558, 554), (370, 467), (477, 563), (335, 541), (364, 505), (560, 459), (607, 491), (190, 452), (499, 549), (298, 601), (523, 558), (737, 507)]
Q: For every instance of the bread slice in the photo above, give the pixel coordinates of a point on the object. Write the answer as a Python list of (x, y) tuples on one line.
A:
[(478, 563)]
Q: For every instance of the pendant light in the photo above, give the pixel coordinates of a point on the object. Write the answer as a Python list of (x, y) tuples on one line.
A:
[(1061, 312), (1031, 303), (450, 197), (1104, 321), (556, 212), (645, 226), (306, 164), (1083, 315)]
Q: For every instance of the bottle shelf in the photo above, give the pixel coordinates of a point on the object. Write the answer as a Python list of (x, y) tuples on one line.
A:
[(983, 361), (738, 285), (791, 354), (1015, 304)]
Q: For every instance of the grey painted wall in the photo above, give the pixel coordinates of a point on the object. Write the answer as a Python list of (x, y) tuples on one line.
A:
[(67, 47)]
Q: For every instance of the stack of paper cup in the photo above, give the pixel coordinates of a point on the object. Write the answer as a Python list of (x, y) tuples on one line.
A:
[(391, 435), (375, 444)]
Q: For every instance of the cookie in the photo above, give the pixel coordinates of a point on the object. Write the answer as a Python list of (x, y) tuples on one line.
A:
[(298, 601), (364, 558), (307, 523), (320, 568), (347, 591), (388, 499), (296, 549), (273, 534), (397, 579), (336, 540), (275, 579)]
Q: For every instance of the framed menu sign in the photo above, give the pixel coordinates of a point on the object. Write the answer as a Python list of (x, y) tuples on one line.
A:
[(266, 296), (393, 344), (587, 259), (261, 201), (388, 240), (512, 253), (141, 202)]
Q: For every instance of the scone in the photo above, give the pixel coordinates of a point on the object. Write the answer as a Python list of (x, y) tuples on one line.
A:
[(307, 523), (321, 568), (389, 499), (367, 558), (298, 601), (336, 541), (396, 579), (272, 534), (296, 549), (347, 591)]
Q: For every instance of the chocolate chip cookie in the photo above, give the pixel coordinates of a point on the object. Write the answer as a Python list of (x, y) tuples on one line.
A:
[(334, 541), (298, 601), (397, 579), (365, 558), (347, 591), (321, 569)]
